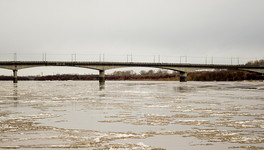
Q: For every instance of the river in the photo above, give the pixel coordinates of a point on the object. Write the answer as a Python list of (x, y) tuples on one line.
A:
[(132, 115)]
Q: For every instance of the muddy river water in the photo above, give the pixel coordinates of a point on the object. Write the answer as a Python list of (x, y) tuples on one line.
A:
[(132, 115)]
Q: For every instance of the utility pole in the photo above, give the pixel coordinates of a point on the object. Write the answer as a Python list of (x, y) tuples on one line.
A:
[(185, 57), (180, 59), (15, 56), (75, 57), (44, 56)]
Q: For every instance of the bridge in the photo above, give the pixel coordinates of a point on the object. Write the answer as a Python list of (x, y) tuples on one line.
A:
[(182, 68)]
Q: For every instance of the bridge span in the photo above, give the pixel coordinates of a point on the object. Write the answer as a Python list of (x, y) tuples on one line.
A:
[(182, 68)]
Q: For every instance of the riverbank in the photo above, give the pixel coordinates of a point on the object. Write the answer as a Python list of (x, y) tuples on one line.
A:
[(223, 75)]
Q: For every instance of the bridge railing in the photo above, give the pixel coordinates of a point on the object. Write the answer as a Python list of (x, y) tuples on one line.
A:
[(124, 58)]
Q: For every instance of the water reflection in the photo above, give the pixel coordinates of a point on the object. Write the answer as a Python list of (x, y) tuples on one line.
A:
[(15, 95), (101, 86), (131, 115), (183, 89)]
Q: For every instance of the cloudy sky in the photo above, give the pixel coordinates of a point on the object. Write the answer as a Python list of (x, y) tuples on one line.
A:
[(143, 28)]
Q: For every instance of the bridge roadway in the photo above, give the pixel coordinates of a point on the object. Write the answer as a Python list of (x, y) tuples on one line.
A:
[(182, 68)]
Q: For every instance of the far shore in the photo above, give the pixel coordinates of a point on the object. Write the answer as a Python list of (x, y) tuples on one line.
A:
[(222, 75)]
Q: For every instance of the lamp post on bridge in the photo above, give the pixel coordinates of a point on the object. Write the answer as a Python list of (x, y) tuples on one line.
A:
[(73, 57), (44, 57), (158, 59), (183, 57), (102, 57), (15, 57)]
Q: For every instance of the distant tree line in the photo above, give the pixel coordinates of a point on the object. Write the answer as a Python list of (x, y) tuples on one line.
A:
[(67, 77), (217, 75), (224, 75), (3, 78), (256, 63), (143, 75)]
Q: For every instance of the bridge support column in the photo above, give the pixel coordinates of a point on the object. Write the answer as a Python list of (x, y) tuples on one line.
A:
[(183, 77), (14, 76), (101, 78)]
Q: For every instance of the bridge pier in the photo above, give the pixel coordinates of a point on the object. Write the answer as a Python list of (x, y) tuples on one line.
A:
[(183, 77), (15, 76), (101, 78)]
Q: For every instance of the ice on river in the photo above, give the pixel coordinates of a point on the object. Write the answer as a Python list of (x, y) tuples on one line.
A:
[(132, 115)]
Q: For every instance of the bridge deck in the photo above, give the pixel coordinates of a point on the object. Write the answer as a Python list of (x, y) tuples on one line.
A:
[(125, 64), (183, 68)]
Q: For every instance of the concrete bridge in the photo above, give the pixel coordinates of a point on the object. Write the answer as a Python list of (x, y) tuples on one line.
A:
[(182, 68)]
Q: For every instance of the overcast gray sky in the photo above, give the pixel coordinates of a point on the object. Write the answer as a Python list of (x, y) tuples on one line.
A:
[(219, 28)]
